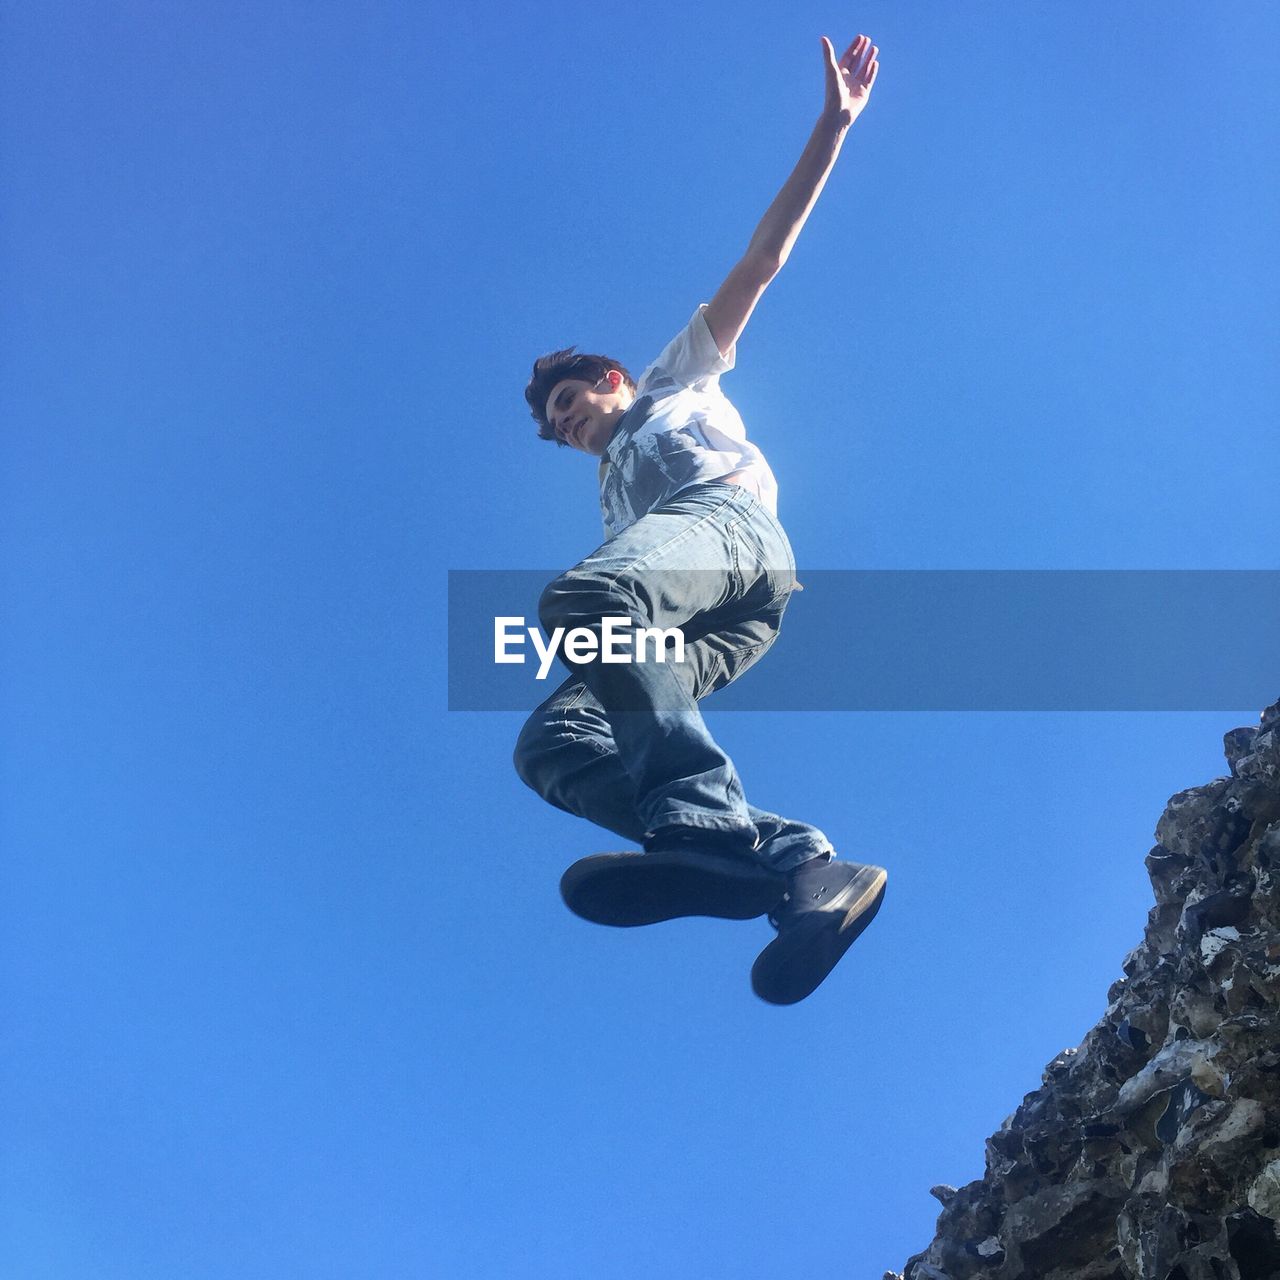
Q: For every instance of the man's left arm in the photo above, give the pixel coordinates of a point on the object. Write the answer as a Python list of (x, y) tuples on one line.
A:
[(848, 87)]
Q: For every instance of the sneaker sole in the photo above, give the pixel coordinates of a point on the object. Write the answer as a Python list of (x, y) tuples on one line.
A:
[(793, 966), (629, 889)]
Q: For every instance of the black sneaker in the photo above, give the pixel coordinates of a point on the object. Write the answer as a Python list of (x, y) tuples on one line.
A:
[(827, 905), (682, 872)]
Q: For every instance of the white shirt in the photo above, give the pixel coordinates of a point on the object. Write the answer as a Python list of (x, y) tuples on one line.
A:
[(690, 434)]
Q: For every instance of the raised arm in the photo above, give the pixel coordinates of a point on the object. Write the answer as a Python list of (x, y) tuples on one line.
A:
[(849, 84)]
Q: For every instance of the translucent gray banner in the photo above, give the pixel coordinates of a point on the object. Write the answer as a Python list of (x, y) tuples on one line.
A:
[(946, 640)]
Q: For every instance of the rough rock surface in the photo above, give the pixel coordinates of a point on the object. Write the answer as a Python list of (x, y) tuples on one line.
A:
[(1152, 1151)]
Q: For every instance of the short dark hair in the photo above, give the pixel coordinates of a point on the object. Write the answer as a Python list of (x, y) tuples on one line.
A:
[(555, 367)]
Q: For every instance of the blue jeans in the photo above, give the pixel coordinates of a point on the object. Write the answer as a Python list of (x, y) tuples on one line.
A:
[(624, 744)]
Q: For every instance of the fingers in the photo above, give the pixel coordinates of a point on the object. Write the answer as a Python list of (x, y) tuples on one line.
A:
[(859, 61), (851, 55), (850, 79)]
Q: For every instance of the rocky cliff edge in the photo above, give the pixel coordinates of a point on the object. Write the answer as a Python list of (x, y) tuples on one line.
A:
[(1152, 1151)]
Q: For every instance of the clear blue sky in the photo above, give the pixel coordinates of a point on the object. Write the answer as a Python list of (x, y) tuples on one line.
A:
[(287, 986)]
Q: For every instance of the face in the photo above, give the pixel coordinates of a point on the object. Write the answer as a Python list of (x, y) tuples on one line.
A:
[(584, 416)]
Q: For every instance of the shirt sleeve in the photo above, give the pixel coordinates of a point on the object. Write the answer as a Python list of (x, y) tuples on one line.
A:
[(691, 357)]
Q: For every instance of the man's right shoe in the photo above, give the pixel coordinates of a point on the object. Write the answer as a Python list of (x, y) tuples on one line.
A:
[(827, 905), (690, 876)]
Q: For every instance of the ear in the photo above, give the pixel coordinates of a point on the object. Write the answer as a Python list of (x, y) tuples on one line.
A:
[(614, 379)]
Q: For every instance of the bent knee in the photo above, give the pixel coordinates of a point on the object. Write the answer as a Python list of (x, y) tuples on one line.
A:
[(539, 754), (529, 755), (582, 600)]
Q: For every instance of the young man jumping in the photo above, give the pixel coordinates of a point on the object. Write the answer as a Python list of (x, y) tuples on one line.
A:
[(694, 543)]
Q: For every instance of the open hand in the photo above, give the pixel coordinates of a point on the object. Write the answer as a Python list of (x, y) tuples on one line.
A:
[(849, 81)]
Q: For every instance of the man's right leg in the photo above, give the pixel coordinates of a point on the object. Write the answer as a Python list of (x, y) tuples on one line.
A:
[(567, 754)]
